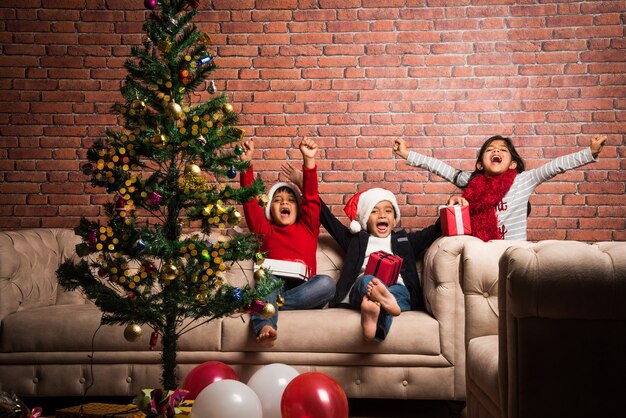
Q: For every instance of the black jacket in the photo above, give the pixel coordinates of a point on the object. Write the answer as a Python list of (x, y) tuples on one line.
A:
[(406, 245)]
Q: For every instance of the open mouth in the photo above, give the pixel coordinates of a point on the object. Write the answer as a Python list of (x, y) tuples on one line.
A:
[(496, 159), (382, 225), (285, 212)]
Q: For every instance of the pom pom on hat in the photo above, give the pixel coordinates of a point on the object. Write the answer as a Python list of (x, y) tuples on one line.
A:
[(271, 192), (360, 206)]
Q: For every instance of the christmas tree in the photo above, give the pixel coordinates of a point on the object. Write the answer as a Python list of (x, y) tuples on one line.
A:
[(170, 163)]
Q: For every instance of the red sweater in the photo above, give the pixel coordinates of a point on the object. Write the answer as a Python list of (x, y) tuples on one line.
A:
[(294, 242)]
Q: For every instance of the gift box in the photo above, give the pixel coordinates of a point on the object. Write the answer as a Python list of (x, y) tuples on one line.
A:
[(455, 220), (384, 266), (100, 410), (292, 270)]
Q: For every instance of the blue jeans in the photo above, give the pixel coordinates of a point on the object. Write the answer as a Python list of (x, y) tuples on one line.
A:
[(399, 291), (312, 294)]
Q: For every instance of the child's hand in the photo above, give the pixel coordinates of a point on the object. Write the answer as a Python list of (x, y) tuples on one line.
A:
[(457, 200), (292, 173), (248, 149), (308, 148), (597, 143), (399, 147)]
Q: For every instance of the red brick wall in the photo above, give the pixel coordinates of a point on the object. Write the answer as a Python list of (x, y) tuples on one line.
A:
[(352, 74)]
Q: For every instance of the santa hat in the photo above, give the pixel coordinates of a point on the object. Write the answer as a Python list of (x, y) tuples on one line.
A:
[(361, 205), (270, 196)]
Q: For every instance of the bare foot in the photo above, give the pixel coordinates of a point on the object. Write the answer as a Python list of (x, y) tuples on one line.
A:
[(378, 292), (267, 336), (292, 173), (369, 316)]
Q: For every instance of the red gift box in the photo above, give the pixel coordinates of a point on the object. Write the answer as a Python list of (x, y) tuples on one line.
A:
[(455, 220), (384, 266)]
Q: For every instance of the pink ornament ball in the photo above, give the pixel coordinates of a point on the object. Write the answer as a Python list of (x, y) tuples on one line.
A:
[(150, 4)]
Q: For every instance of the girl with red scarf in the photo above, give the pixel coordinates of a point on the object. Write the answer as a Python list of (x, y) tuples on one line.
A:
[(499, 188)]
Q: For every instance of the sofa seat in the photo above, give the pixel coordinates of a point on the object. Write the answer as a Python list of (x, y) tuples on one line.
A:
[(52, 344)]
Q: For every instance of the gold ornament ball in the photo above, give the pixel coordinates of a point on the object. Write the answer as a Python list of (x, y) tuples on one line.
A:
[(264, 200), (260, 275), (138, 104), (169, 271), (268, 311), (160, 140), (193, 169), (259, 258), (174, 111), (228, 108), (132, 332)]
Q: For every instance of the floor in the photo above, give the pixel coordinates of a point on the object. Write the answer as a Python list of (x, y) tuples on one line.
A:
[(359, 408)]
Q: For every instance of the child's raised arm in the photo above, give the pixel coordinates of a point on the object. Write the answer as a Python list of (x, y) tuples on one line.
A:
[(399, 147), (308, 148), (248, 149), (597, 143)]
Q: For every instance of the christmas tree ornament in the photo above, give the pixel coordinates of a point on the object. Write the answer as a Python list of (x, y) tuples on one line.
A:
[(236, 295), (240, 133), (280, 300), (193, 169), (160, 140), (140, 245), (257, 306), (154, 339), (174, 111), (268, 311), (264, 200), (165, 45), (234, 218), (120, 204), (201, 140), (231, 173), (138, 104), (227, 108), (184, 76), (212, 88), (154, 198), (150, 4), (169, 271), (204, 60), (132, 332), (260, 275), (205, 39), (259, 258)]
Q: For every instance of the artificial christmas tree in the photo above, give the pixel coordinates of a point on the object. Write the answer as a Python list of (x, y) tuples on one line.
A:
[(169, 164)]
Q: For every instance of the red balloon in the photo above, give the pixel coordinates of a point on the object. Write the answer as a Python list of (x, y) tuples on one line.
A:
[(203, 375), (313, 395)]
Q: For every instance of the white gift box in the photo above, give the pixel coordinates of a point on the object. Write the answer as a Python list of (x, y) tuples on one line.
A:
[(285, 269)]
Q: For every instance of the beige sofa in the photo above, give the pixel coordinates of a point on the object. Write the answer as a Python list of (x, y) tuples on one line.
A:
[(547, 336), (51, 343)]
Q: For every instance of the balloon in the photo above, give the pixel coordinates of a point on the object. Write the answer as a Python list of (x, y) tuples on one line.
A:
[(314, 395), (269, 383), (227, 399), (206, 373)]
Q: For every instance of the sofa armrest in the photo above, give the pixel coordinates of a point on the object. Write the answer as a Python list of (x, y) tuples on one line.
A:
[(29, 260), (479, 282)]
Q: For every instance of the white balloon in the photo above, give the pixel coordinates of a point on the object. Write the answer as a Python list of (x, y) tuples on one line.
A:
[(269, 383), (227, 398)]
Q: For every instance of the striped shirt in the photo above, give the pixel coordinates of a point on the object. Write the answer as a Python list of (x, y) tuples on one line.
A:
[(512, 209)]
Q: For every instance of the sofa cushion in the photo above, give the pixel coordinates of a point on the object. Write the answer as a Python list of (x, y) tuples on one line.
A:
[(338, 330), (482, 368), (71, 328)]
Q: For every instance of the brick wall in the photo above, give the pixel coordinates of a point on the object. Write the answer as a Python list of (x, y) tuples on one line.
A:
[(352, 74)]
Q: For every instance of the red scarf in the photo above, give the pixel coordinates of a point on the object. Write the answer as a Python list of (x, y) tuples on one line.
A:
[(483, 194)]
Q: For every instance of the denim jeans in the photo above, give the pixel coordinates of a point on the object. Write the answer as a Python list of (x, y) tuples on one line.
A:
[(312, 294), (399, 291)]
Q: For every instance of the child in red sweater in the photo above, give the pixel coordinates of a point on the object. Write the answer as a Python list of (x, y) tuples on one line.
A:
[(289, 226)]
